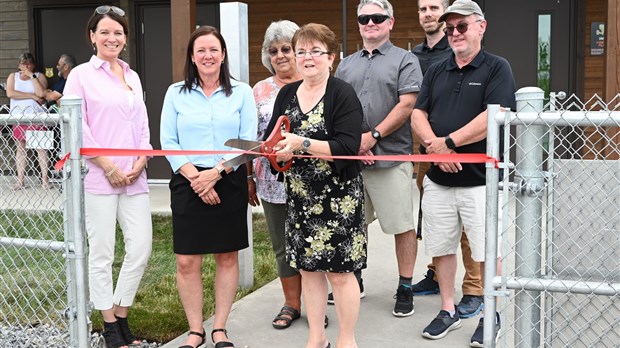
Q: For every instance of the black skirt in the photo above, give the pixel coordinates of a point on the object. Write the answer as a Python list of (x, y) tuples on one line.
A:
[(199, 228)]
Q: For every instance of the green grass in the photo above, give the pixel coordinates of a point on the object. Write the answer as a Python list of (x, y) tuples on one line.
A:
[(157, 314), (33, 281)]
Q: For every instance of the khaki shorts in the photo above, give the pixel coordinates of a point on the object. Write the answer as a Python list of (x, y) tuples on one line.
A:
[(389, 195), (447, 210)]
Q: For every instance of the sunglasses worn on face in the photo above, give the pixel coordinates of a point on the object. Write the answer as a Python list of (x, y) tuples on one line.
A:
[(105, 9), (461, 27), (273, 51), (376, 18)]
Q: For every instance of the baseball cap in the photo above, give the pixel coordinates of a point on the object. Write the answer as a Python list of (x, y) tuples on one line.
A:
[(462, 7)]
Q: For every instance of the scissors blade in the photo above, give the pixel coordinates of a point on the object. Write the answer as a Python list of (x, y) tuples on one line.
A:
[(243, 144), (241, 159)]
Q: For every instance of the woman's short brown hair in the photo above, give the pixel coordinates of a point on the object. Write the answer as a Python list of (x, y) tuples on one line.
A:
[(314, 32)]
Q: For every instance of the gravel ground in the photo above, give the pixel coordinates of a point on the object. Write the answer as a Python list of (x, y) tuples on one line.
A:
[(49, 337)]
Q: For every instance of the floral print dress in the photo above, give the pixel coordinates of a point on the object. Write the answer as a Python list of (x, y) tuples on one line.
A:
[(325, 215)]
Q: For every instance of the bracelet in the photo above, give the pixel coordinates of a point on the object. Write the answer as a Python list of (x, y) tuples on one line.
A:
[(112, 171), (250, 176)]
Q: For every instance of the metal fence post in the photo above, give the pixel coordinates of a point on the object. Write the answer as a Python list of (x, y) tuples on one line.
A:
[(528, 234), (491, 225), (75, 223)]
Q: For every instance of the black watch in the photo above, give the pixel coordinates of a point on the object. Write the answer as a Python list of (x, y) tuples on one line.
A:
[(375, 134), (221, 171), (450, 143)]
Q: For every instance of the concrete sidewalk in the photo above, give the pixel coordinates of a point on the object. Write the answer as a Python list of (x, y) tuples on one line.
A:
[(249, 324)]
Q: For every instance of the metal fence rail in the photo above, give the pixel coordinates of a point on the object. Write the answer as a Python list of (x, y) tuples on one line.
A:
[(43, 299), (560, 209)]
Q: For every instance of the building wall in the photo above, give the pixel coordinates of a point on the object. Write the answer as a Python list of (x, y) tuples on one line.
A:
[(14, 27), (13, 38), (406, 32), (594, 65)]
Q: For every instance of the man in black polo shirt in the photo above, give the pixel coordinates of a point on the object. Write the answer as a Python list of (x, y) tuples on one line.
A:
[(450, 117), (434, 49)]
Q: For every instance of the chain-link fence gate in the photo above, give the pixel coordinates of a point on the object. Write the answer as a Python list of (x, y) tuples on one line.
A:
[(560, 222), (43, 299)]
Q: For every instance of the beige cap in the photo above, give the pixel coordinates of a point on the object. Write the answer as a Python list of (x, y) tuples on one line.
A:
[(462, 7)]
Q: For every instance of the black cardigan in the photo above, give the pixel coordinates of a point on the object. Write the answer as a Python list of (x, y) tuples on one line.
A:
[(343, 120)]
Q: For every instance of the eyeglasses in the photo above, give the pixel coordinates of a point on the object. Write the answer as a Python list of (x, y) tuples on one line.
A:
[(377, 18), (461, 27), (105, 9), (313, 53), (273, 51)]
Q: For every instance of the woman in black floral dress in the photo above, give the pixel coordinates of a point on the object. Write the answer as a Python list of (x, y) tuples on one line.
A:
[(325, 236)]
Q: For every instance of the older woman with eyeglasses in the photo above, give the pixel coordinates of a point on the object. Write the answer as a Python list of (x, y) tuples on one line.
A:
[(324, 223), (114, 116), (278, 57)]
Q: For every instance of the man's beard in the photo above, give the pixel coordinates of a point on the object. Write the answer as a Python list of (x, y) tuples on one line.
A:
[(433, 30)]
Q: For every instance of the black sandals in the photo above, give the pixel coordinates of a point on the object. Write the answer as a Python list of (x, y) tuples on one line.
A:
[(287, 314), (221, 344), (201, 335)]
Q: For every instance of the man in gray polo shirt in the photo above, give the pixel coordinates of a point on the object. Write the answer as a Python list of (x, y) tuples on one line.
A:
[(387, 80)]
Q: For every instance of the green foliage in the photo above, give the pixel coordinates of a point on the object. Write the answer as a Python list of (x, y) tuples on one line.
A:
[(544, 67)]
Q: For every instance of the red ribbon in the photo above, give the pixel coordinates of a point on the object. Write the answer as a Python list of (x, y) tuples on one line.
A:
[(455, 157)]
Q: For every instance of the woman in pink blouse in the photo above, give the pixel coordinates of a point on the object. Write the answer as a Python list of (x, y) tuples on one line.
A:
[(114, 116)]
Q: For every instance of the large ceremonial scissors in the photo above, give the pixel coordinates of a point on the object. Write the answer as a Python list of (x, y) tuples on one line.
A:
[(265, 148)]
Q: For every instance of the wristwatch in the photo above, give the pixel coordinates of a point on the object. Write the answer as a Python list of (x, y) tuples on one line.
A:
[(221, 171), (375, 134), (305, 145), (450, 143)]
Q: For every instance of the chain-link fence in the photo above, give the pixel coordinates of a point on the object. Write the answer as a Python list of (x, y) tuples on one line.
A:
[(42, 288), (560, 222)]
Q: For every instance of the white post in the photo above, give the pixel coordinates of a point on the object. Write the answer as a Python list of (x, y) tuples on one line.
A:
[(234, 29)]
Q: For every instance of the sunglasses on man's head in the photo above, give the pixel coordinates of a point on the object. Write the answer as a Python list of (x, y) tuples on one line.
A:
[(376, 18), (105, 9), (273, 51), (461, 27)]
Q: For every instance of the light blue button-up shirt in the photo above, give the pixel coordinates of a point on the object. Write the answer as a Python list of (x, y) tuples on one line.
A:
[(190, 120)]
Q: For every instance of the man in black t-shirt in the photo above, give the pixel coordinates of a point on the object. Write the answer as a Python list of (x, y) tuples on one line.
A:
[(450, 117), (434, 49), (66, 62)]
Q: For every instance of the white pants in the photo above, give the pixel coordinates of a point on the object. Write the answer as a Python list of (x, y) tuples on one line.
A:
[(133, 214)]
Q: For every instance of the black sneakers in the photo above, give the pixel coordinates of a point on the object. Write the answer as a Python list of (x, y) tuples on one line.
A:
[(426, 286), (477, 338), (441, 325), (360, 281), (404, 302), (470, 306)]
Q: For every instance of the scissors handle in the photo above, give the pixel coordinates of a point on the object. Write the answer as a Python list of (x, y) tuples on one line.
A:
[(276, 135)]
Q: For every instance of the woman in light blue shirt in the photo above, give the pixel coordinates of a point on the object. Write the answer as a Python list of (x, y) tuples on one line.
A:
[(209, 201)]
